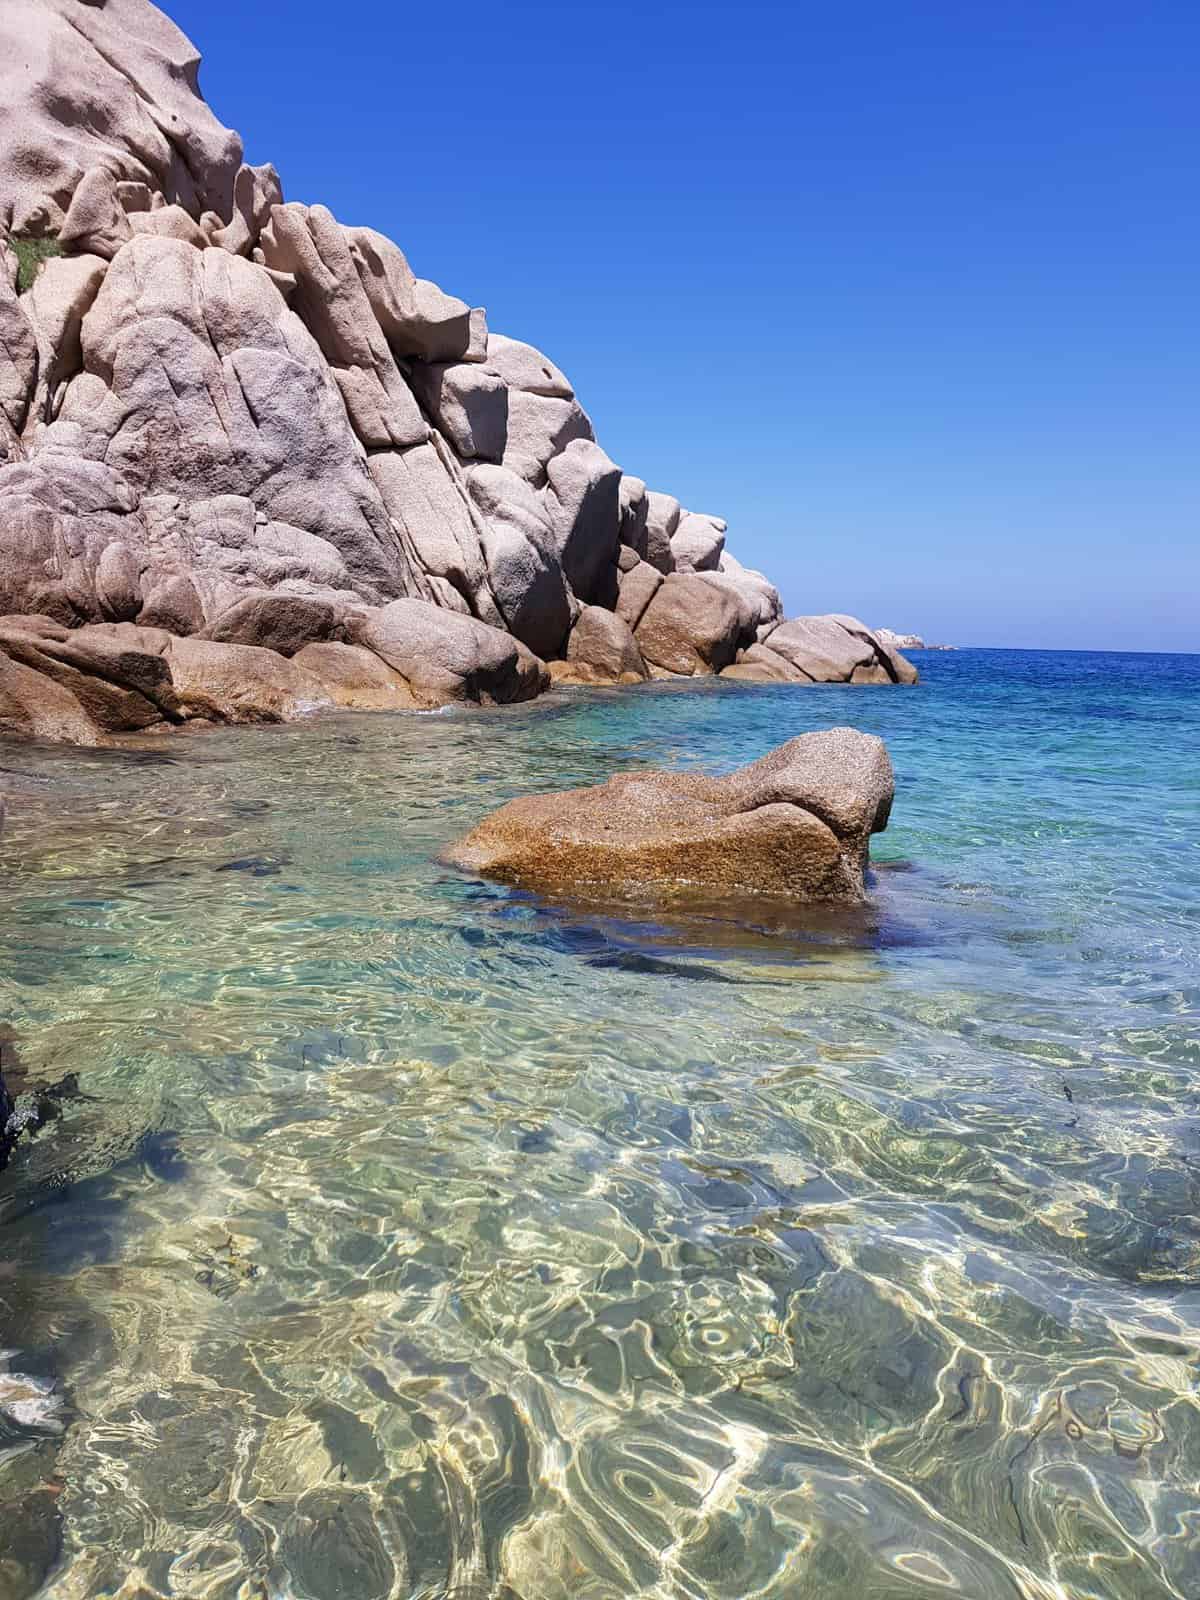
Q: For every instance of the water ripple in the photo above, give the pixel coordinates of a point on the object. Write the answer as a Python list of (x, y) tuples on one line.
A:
[(412, 1238)]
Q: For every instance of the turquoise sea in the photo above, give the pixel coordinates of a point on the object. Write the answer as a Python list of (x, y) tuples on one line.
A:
[(405, 1236)]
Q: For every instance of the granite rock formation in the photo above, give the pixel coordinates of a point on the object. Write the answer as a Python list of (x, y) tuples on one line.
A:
[(235, 424), (796, 823), (907, 641)]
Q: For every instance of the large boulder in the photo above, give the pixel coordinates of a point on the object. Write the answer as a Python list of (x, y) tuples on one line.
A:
[(634, 509), (519, 547), (514, 408), (759, 592), (59, 513), (416, 317), (307, 243), (444, 656), (18, 368), (691, 627), (582, 502), (95, 223), (697, 543), (601, 649), (110, 86), (760, 664), (33, 706), (663, 512), (837, 649), (241, 683), (356, 678), (888, 658), (637, 586), (57, 302), (199, 381), (796, 823), (425, 492), (280, 622)]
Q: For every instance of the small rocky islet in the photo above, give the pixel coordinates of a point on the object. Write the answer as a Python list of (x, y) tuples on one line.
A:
[(253, 465), (796, 823)]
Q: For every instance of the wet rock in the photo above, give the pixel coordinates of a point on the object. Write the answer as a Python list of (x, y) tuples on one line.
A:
[(796, 823), (241, 683), (332, 1546), (356, 678)]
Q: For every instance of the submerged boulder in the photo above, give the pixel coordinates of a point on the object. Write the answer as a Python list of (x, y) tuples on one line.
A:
[(796, 823)]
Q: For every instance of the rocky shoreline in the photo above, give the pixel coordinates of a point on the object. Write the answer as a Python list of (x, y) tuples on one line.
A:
[(252, 464)]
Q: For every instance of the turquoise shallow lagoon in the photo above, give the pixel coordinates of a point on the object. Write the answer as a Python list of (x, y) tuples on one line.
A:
[(410, 1237)]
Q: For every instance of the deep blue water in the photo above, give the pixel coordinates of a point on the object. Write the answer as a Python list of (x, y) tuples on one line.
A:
[(411, 1236)]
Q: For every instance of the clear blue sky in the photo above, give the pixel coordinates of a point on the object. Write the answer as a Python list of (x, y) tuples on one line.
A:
[(908, 292)]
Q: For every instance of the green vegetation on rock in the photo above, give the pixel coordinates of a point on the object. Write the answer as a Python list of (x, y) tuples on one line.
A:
[(30, 254)]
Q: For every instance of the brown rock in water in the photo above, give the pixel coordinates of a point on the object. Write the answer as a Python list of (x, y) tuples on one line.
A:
[(241, 683), (111, 686), (796, 823), (36, 707)]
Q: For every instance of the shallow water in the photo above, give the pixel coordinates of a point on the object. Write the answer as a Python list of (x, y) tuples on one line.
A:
[(409, 1237)]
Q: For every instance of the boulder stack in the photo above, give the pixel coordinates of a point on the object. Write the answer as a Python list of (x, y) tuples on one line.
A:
[(237, 420)]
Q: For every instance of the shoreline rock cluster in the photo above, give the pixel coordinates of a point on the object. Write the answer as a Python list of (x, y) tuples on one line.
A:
[(232, 423)]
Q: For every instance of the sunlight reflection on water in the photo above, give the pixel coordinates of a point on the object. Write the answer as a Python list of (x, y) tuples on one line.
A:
[(410, 1236)]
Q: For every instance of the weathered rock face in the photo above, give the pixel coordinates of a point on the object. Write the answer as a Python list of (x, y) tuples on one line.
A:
[(796, 823), (239, 421), (109, 86), (92, 684), (830, 649)]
